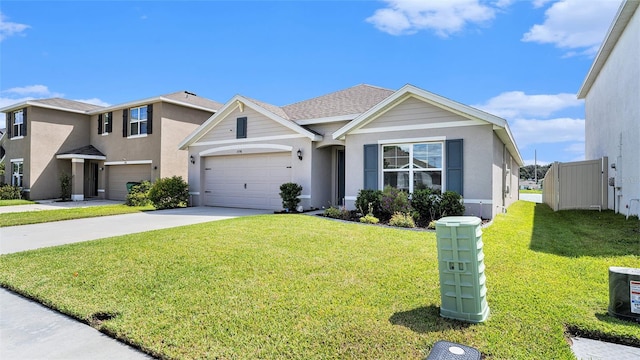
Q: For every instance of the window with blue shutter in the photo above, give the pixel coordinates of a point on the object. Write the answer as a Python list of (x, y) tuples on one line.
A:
[(149, 118), (455, 178), (100, 124), (125, 122), (241, 128), (370, 167)]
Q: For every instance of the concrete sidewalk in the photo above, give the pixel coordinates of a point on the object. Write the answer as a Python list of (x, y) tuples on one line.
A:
[(29, 330)]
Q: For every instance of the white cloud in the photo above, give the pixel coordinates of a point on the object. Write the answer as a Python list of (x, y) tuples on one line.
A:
[(29, 90), (517, 104), (540, 3), (574, 25), (559, 130), (444, 17), (533, 162), (8, 28)]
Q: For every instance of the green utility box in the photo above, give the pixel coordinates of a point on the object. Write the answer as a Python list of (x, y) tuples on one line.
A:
[(463, 288)]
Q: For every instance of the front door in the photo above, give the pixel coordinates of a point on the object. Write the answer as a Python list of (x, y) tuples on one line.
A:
[(91, 180)]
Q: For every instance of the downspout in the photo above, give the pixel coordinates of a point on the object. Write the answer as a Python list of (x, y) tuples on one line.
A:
[(504, 174)]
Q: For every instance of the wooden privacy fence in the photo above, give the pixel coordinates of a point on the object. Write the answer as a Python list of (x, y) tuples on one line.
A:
[(576, 185)]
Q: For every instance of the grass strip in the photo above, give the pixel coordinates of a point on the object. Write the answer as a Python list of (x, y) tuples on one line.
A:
[(302, 287), (15, 202), (42, 216)]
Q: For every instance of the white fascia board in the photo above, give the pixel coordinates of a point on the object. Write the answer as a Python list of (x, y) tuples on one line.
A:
[(622, 18), (78, 156), (24, 104), (428, 97), (504, 134), (229, 107), (151, 100), (329, 119)]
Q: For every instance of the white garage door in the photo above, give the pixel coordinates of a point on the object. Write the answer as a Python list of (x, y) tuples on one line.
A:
[(246, 181), (120, 175)]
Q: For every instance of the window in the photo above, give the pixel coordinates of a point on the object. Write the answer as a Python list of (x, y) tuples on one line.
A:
[(138, 121), (411, 167), (105, 123), (18, 123), (16, 172), (241, 128)]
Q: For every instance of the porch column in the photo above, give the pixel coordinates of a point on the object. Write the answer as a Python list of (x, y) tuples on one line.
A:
[(77, 179)]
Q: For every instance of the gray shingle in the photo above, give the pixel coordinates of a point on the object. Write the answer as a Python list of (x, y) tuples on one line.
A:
[(193, 99), (354, 100), (67, 104), (85, 150)]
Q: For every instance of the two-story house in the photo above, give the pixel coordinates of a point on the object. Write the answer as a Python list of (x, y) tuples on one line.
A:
[(102, 148)]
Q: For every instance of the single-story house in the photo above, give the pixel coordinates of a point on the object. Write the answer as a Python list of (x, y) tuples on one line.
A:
[(363, 137)]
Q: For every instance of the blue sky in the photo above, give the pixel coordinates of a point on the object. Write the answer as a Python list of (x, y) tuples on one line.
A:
[(521, 60)]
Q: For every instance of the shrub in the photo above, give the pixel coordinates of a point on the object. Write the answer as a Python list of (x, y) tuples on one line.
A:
[(451, 204), (139, 194), (65, 187), (392, 201), (368, 202), (402, 220), (10, 192), (169, 193), (432, 225), (422, 201), (289, 193), (369, 219), (335, 213)]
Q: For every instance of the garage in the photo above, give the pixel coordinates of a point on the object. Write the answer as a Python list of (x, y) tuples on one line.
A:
[(246, 181), (120, 175)]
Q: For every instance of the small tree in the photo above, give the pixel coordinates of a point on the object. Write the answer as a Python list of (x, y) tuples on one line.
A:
[(65, 187), (289, 193), (139, 194), (169, 193)]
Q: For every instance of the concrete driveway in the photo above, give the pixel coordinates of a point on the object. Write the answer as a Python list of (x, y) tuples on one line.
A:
[(29, 330)]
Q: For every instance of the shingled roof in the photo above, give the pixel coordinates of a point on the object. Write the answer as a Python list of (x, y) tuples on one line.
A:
[(353, 100), (67, 104), (193, 99), (88, 150)]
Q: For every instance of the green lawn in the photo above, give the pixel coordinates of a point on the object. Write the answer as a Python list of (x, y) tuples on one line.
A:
[(304, 287), (42, 216), (524, 191), (15, 202)]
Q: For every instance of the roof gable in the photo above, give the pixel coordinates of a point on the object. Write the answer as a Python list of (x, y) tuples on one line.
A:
[(240, 102)]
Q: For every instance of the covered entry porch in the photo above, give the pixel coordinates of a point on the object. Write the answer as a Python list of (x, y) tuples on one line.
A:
[(86, 172)]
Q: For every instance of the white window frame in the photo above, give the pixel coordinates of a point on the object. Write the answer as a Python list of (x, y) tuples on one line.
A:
[(17, 176), (137, 121), (106, 119), (16, 130), (410, 166)]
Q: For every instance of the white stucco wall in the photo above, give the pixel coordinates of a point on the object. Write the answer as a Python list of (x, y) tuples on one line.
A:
[(612, 125)]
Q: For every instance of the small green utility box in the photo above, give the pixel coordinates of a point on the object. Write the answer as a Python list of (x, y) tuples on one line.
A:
[(463, 288)]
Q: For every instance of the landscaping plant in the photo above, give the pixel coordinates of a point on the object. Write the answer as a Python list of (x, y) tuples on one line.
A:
[(368, 201), (10, 192), (394, 200), (402, 220), (139, 194), (289, 193), (65, 187), (169, 193), (337, 213)]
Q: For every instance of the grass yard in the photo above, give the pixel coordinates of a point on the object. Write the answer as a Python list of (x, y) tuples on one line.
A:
[(304, 287), (42, 216), (525, 191), (15, 202)]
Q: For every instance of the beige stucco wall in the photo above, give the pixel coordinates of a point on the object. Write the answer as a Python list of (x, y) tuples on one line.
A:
[(56, 131)]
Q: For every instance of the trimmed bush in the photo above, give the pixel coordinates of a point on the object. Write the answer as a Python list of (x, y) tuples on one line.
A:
[(10, 192), (139, 194), (402, 220), (392, 201), (289, 193), (169, 193), (368, 202), (65, 187), (422, 201), (451, 204), (335, 213)]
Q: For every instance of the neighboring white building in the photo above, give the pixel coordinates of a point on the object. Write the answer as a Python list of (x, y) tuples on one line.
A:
[(612, 104)]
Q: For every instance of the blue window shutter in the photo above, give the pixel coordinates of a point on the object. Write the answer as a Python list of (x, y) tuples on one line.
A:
[(149, 118), (241, 128), (99, 124), (371, 167), (125, 122), (455, 179)]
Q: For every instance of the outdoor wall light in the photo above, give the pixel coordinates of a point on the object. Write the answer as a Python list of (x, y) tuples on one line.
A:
[(299, 154), (193, 160)]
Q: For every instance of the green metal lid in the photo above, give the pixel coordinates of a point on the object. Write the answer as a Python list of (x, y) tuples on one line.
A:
[(452, 221)]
